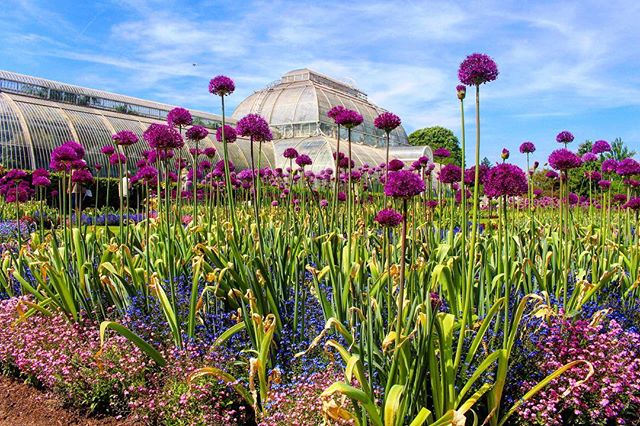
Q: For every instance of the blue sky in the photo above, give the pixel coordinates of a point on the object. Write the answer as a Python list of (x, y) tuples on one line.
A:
[(563, 65)]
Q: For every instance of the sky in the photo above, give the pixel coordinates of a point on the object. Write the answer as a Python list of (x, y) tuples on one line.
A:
[(570, 65)]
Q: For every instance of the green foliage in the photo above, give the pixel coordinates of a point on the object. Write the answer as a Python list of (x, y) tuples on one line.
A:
[(438, 137)]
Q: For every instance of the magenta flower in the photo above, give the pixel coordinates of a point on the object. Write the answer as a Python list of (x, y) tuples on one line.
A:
[(387, 121), (66, 156), (395, 165), (324, 203), (628, 167), (600, 147), (210, 152), (604, 184), (148, 175), (450, 173), (163, 137), (609, 166), (117, 158), (470, 174), (589, 157), (290, 153), (505, 179), (388, 218), (633, 204), (504, 154), (403, 184), (335, 112), (124, 138), (461, 91), (565, 137), (230, 134), (442, 153), (255, 127), (108, 150), (477, 69), (197, 133), (179, 117), (349, 118), (82, 176), (527, 147), (563, 159), (303, 160), (221, 86)]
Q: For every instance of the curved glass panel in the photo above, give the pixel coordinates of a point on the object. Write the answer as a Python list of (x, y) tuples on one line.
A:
[(15, 152)]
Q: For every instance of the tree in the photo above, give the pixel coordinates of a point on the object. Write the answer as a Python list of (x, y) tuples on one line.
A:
[(619, 150), (486, 162), (438, 137), (585, 147)]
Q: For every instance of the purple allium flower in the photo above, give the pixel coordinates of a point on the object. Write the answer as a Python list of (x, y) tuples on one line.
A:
[(593, 175), (230, 134), (403, 184), (98, 166), (573, 199), (220, 166), (117, 158), (461, 91), (600, 147), (504, 154), (209, 152), (274, 203), (107, 150), (324, 203), (290, 153), (505, 179), (395, 165), (628, 167), (470, 174), (563, 159), (604, 184), (342, 196), (42, 181), (349, 118), (387, 121), (450, 173), (197, 133), (527, 147), (303, 160), (179, 117), (335, 112), (221, 86), (255, 127), (609, 166), (537, 192), (565, 137), (163, 137), (442, 153), (619, 198), (633, 204), (148, 174), (388, 218), (66, 156), (124, 138), (82, 176), (477, 69), (589, 157)]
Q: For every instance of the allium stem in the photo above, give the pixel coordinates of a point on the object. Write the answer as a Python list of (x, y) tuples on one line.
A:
[(403, 249), (227, 173)]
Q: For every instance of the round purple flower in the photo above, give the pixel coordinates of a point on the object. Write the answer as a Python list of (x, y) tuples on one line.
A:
[(461, 91), (117, 158), (565, 137), (98, 166), (388, 218), (403, 184), (335, 112), (609, 166), (527, 147), (197, 133), (628, 167), (442, 153), (125, 138), (589, 157), (82, 176), (221, 86), (255, 127), (505, 179), (42, 181), (477, 69), (593, 175), (573, 199), (349, 118), (303, 160), (633, 204), (108, 150), (387, 121), (563, 159), (324, 203), (290, 153), (230, 134), (148, 174), (450, 173), (64, 157), (179, 117), (163, 137), (395, 165), (470, 174), (209, 152), (600, 147), (604, 184)]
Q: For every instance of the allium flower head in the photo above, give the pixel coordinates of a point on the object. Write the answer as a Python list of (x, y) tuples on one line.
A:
[(82, 176), (442, 153), (255, 127), (221, 86), (388, 218), (210, 152), (107, 150), (600, 147), (504, 154), (117, 158), (335, 112), (477, 69), (290, 153), (349, 118), (565, 137), (461, 91), (589, 157), (179, 117), (163, 137), (563, 159), (470, 174), (303, 160), (403, 184), (197, 133), (593, 175), (395, 165), (628, 167), (633, 204), (148, 174), (450, 173), (124, 138), (527, 147), (505, 179), (551, 174), (64, 157), (230, 134), (387, 121), (604, 184), (609, 165)]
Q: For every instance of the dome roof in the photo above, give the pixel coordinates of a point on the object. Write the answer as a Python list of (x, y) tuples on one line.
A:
[(297, 106)]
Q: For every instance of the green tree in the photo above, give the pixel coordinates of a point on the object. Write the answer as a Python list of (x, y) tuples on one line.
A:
[(486, 162), (438, 137), (619, 150), (585, 147)]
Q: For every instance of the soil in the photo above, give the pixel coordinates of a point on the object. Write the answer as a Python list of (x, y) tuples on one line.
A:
[(24, 405)]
